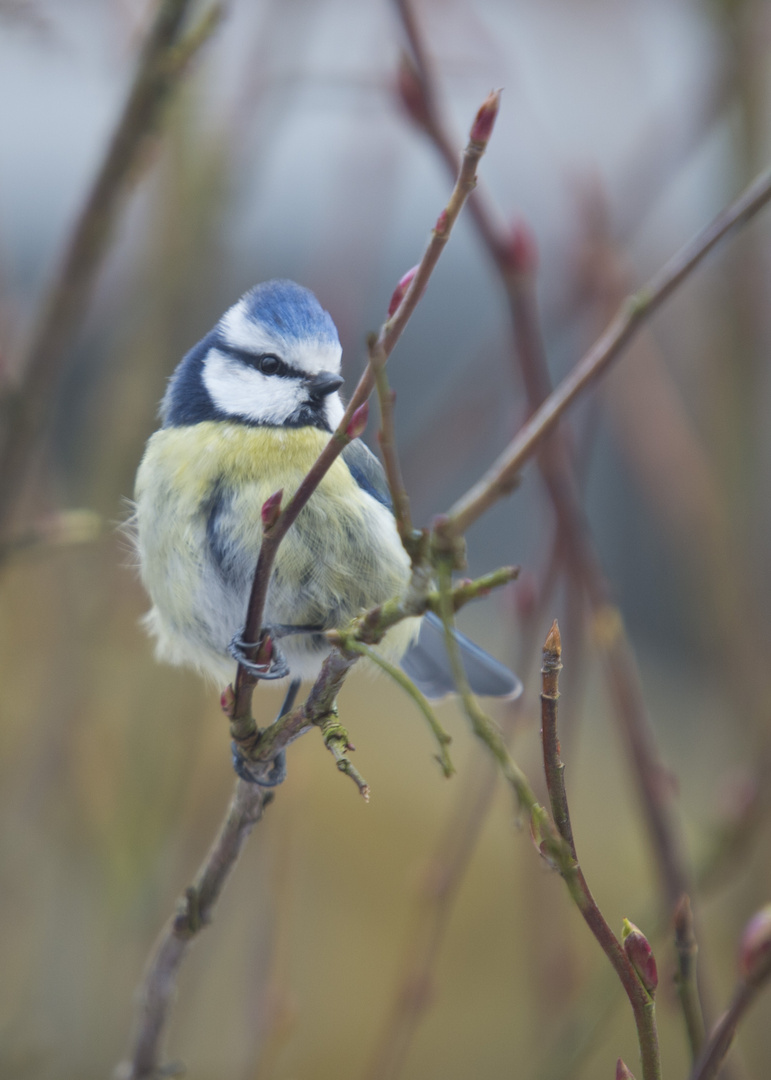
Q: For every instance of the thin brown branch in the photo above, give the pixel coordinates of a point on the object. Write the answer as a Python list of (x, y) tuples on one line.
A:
[(387, 440), (194, 913), (639, 997), (26, 407), (501, 476), (354, 418)]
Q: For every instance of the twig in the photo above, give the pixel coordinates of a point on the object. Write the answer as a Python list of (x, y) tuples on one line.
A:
[(498, 480), (640, 998), (165, 55), (387, 440), (195, 911), (687, 951), (720, 1040), (442, 738), (515, 258), (355, 416)]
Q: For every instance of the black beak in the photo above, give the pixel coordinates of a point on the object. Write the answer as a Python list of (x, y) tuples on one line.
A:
[(326, 382)]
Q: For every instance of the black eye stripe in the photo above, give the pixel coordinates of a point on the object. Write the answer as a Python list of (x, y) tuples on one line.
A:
[(268, 363)]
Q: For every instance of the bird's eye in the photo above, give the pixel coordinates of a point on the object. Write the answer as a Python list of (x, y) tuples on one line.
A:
[(270, 365)]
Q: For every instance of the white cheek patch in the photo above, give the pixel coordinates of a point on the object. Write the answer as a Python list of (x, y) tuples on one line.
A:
[(311, 356), (335, 410), (238, 390)]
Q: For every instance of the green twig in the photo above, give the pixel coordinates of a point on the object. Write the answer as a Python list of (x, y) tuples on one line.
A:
[(441, 736), (687, 950)]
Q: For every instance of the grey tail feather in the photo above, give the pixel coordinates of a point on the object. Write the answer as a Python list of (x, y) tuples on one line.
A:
[(428, 665)]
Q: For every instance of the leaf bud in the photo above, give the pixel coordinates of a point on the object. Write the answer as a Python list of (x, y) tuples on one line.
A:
[(358, 421), (482, 128), (640, 954), (271, 510), (755, 944), (400, 290)]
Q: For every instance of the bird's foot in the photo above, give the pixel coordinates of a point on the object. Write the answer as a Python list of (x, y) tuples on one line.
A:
[(256, 772), (276, 667)]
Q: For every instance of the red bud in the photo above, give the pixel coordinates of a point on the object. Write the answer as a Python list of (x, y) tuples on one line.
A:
[(441, 224), (482, 128), (637, 948), (228, 701), (622, 1071), (522, 249), (411, 92), (400, 290), (755, 944), (358, 421), (271, 510)]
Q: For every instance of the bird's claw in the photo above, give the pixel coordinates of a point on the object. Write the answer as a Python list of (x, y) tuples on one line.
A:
[(253, 772), (276, 668)]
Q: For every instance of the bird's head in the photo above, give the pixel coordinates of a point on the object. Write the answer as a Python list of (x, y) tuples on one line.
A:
[(272, 359)]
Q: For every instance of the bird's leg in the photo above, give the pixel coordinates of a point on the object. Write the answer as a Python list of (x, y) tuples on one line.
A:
[(277, 668), (248, 770)]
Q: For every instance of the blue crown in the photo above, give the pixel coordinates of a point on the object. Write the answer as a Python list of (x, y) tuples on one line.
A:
[(291, 311)]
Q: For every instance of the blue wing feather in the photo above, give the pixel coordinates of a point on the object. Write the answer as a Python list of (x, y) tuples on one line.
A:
[(367, 471)]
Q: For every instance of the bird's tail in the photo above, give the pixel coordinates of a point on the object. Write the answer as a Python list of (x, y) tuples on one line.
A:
[(428, 665)]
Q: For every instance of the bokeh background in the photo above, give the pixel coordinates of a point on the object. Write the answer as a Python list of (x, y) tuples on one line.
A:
[(624, 128)]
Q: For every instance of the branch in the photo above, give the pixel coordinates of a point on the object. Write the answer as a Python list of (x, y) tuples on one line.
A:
[(355, 416), (194, 913), (719, 1043), (501, 476), (640, 997), (165, 56), (687, 988)]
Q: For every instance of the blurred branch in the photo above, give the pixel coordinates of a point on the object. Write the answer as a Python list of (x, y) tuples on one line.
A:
[(687, 950), (756, 975), (498, 480), (194, 913), (26, 407)]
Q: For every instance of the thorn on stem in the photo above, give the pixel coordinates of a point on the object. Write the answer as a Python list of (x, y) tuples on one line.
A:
[(622, 1071)]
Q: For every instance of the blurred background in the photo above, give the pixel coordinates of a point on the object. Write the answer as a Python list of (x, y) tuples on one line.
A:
[(420, 935)]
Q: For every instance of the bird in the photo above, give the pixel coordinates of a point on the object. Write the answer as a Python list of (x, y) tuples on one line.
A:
[(245, 414)]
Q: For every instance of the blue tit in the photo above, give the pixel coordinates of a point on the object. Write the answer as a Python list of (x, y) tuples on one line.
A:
[(246, 413)]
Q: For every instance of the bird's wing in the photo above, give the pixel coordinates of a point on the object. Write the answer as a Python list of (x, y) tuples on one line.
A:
[(426, 660), (367, 471)]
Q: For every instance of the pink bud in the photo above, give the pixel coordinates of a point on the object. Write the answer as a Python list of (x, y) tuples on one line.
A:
[(271, 510), (755, 944), (411, 92), (228, 701), (622, 1071), (523, 596), (358, 421), (441, 224), (482, 128), (522, 249), (400, 290), (641, 956)]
